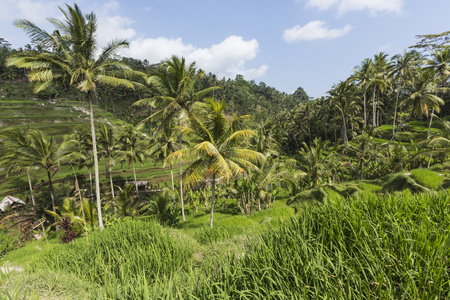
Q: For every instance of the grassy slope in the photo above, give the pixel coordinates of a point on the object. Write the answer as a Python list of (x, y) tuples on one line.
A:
[(372, 247), (57, 118), (202, 246)]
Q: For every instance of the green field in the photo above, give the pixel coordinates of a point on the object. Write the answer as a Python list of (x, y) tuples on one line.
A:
[(388, 247)]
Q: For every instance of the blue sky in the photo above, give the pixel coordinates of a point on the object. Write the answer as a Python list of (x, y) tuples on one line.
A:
[(284, 43)]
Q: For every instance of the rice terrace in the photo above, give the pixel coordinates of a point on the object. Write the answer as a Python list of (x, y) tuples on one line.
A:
[(132, 177)]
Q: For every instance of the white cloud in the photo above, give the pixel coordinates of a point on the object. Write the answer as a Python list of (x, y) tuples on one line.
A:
[(314, 30), (373, 6), (28, 9), (114, 27), (33, 10), (227, 58), (111, 25), (321, 4)]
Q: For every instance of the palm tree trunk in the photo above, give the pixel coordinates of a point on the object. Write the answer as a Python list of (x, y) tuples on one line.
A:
[(395, 112), (213, 189), (94, 153), (429, 159), (31, 187), (113, 194), (181, 180), (90, 185), (365, 110), (374, 108), (401, 125), (52, 195), (429, 126), (344, 129), (362, 170), (171, 175), (135, 180)]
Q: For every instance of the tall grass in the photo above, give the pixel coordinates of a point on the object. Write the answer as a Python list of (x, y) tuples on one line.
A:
[(369, 247), (120, 257), (372, 248), (427, 178)]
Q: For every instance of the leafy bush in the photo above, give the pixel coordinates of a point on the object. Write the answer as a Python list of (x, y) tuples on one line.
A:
[(8, 242), (66, 225)]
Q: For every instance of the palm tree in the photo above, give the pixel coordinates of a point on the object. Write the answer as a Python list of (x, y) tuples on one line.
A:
[(440, 64), (443, 139), (422, 95), (404, 67), (82, 136), (15, 139), (273, 172), (379, 80), (362, 75), (163, 145), (218, 147), (313, 161), (108, 141), (125, 200), (176, 86), (340, 94), (264, 139), (365, 151), (42, 152), (72, 57), (131, 150)]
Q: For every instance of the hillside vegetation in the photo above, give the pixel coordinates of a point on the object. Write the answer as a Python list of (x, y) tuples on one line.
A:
[(160, 181)]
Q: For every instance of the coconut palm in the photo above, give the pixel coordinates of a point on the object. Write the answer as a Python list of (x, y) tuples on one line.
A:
[(440, 64), (362, 75), (218, 148), (379, 80), (82, 137), (108, 142), (163, 145), (441, 142), (341, 94), (313, 161), (175, 83), (72, 57), (274, 174), (364, 150), (16, 138), (404, 67), (125, 200), (264, 139), (423, 94), (44, 153), (131, 150)]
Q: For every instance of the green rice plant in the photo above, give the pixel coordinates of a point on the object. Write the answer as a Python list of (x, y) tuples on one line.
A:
[(120, 254), (427, 178), (391, 247), (207, 235), (369, 187), (333, 195)]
